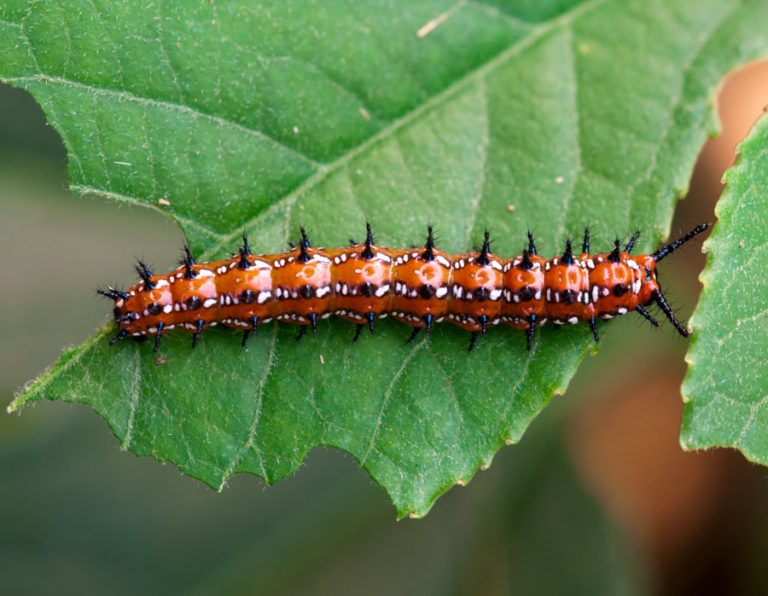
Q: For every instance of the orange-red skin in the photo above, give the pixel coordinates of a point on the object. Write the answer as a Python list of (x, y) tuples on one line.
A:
[(565, 288), (413, 278), (402, 284), (523, 291), (352, 298), (480, 295)]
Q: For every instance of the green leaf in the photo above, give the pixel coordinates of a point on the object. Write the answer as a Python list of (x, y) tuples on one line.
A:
[(726, 389), (237, 115)]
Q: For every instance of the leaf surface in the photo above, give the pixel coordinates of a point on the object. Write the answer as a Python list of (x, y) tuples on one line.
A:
[(265, 116), (726, 389)]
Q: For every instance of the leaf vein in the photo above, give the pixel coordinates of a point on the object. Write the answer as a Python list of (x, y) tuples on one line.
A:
[(165, 105)]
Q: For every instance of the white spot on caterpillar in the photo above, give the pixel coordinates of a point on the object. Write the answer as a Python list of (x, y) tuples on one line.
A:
[(209, 303), (595, 293), (168, 309), (264, 296), (382, 291), (205, 273), (573, 320), (443, 261), (323, 291), (495, 294), (622, 310), (441, 292)]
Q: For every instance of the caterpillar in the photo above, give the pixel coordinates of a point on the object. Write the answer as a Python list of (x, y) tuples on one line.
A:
[(419, 287)]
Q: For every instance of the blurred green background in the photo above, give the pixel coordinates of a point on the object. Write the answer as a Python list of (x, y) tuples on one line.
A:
[(597, 498)]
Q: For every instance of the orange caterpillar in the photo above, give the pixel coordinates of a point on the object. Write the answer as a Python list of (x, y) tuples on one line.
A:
[(418, 287)]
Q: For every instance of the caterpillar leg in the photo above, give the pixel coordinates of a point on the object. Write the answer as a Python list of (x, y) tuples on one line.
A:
[(593, 327), (313, 322), (473, 340), (158, 336), (198, 331), (414, 333), (371, 317), (120, 335), (530, 331), (254, 321), (428, 323)]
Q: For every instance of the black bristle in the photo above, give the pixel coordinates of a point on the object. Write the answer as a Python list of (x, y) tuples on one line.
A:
[(245, 252), (188, 261), (585, 243), (368, 251), (667, 250), (429, 247), (145, 273), (661, 301), (646, 315), (567, 257), (526, 263), (631, 244), (482, 258), (303, 246), (615, 255), (531, 243), (243, 262), (112, 293)]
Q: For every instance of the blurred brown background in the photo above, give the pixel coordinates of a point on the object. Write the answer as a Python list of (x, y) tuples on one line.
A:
[(598, 497)]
